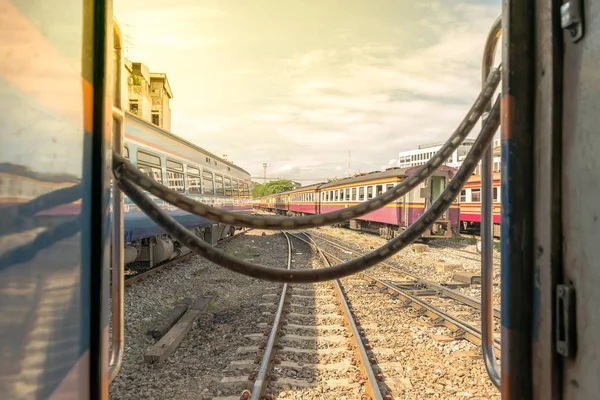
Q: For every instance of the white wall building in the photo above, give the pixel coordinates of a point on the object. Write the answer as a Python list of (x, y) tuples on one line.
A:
[(424, 153)]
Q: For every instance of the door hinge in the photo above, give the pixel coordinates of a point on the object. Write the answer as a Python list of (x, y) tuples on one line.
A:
[(571, 19), (566, 328)]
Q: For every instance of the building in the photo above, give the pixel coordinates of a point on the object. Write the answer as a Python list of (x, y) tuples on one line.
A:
[(149, 94), (424, 153)]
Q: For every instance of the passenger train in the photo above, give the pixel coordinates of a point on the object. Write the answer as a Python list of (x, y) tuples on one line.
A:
[(56, 118), (187, 169), (387, 221), (470, 205)]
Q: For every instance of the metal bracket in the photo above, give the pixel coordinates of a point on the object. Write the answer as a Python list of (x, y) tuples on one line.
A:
[(571, 18), (566, 333)]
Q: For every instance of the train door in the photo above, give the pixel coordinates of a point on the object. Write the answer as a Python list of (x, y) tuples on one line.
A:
[(54, 226), (437, 185)]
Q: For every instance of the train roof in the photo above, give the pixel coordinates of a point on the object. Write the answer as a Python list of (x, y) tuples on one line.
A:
[(390, 173), (477, 178), (303, 188), (183, 141)]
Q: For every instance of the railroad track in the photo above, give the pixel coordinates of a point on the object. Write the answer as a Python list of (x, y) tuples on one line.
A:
[(440, 302), (138, 276), (313, 345)]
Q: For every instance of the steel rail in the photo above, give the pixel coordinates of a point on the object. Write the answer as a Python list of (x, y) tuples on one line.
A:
[(117, 123), (372, 388), (487, 223), (463, 330), (445, 291), (260, 384), (469, 332)]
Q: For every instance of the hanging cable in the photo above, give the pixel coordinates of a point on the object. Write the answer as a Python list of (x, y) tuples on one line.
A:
[(125, 170), (413, 232)]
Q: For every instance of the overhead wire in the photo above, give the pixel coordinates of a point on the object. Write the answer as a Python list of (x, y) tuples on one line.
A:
[(124, 170), (414, 231)]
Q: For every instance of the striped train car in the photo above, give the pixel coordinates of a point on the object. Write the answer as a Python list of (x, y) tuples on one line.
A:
[(387, 221), (188, 169), (470, 205)]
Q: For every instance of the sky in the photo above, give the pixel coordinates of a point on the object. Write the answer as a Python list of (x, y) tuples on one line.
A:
[(300, 84)]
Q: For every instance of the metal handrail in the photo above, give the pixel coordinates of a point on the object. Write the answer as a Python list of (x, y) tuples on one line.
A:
[(118, 266), (487, 223)]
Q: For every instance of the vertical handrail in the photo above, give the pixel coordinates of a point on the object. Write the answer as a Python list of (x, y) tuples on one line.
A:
[(118, 267), (487, 223)]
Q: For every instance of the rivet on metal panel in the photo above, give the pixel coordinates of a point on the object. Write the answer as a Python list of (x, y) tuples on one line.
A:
[(571, 18)]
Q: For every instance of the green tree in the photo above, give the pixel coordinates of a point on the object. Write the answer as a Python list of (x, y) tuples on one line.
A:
[(279, 186)]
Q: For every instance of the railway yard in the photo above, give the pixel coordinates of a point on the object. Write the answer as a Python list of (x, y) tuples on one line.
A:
[(406, 329)]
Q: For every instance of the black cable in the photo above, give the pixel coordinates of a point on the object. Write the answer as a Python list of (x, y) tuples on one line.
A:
[(359, 264), (123, 169)]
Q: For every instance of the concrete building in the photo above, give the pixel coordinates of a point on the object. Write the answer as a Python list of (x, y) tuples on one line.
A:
[(424, 153), (149, 94)]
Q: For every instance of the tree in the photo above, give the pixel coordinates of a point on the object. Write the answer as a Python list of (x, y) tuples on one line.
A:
[(279, 186)]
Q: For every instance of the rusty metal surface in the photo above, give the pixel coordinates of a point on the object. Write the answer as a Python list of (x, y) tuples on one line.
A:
[(518, 58), (547, 180)]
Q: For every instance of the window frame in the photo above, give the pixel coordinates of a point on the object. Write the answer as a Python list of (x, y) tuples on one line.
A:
[(179, 170), (190, 187), (148, 164)]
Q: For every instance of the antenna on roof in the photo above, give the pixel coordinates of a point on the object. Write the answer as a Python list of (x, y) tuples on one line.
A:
[(128, 40)]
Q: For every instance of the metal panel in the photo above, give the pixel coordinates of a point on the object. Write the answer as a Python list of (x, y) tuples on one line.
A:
[(517, 197), (580, 200), (547, 136), (51, 250)]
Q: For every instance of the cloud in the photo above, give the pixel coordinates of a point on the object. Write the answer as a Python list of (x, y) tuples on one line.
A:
[(300, 85)]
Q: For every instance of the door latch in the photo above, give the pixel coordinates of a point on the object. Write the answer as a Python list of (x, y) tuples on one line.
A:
[(566, 328), (571, 19)]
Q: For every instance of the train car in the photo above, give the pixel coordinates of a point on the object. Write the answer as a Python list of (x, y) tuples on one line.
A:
[(388, 221), (470, 205), (398, 215), (188, 169), (304, 200)]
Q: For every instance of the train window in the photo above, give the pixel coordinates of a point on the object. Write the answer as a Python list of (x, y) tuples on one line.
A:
[(463, 195), (495, 194), (390, 186), (369, 192), (208, 183), (353, 194), (219, 185), (378, 190), (126, 152), (336, 196), (361, 193), (149, 164), (228, 189), (347, 194), (235, 188), (207, 160), (175, 176), (193, 177), (475, 195)]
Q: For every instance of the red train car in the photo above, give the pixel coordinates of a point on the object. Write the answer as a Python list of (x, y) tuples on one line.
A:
[(388, 221), (470, 205), (303, 200)]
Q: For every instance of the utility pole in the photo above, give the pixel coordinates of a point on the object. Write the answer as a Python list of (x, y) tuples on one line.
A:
[(265, 172), (349, 160)]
